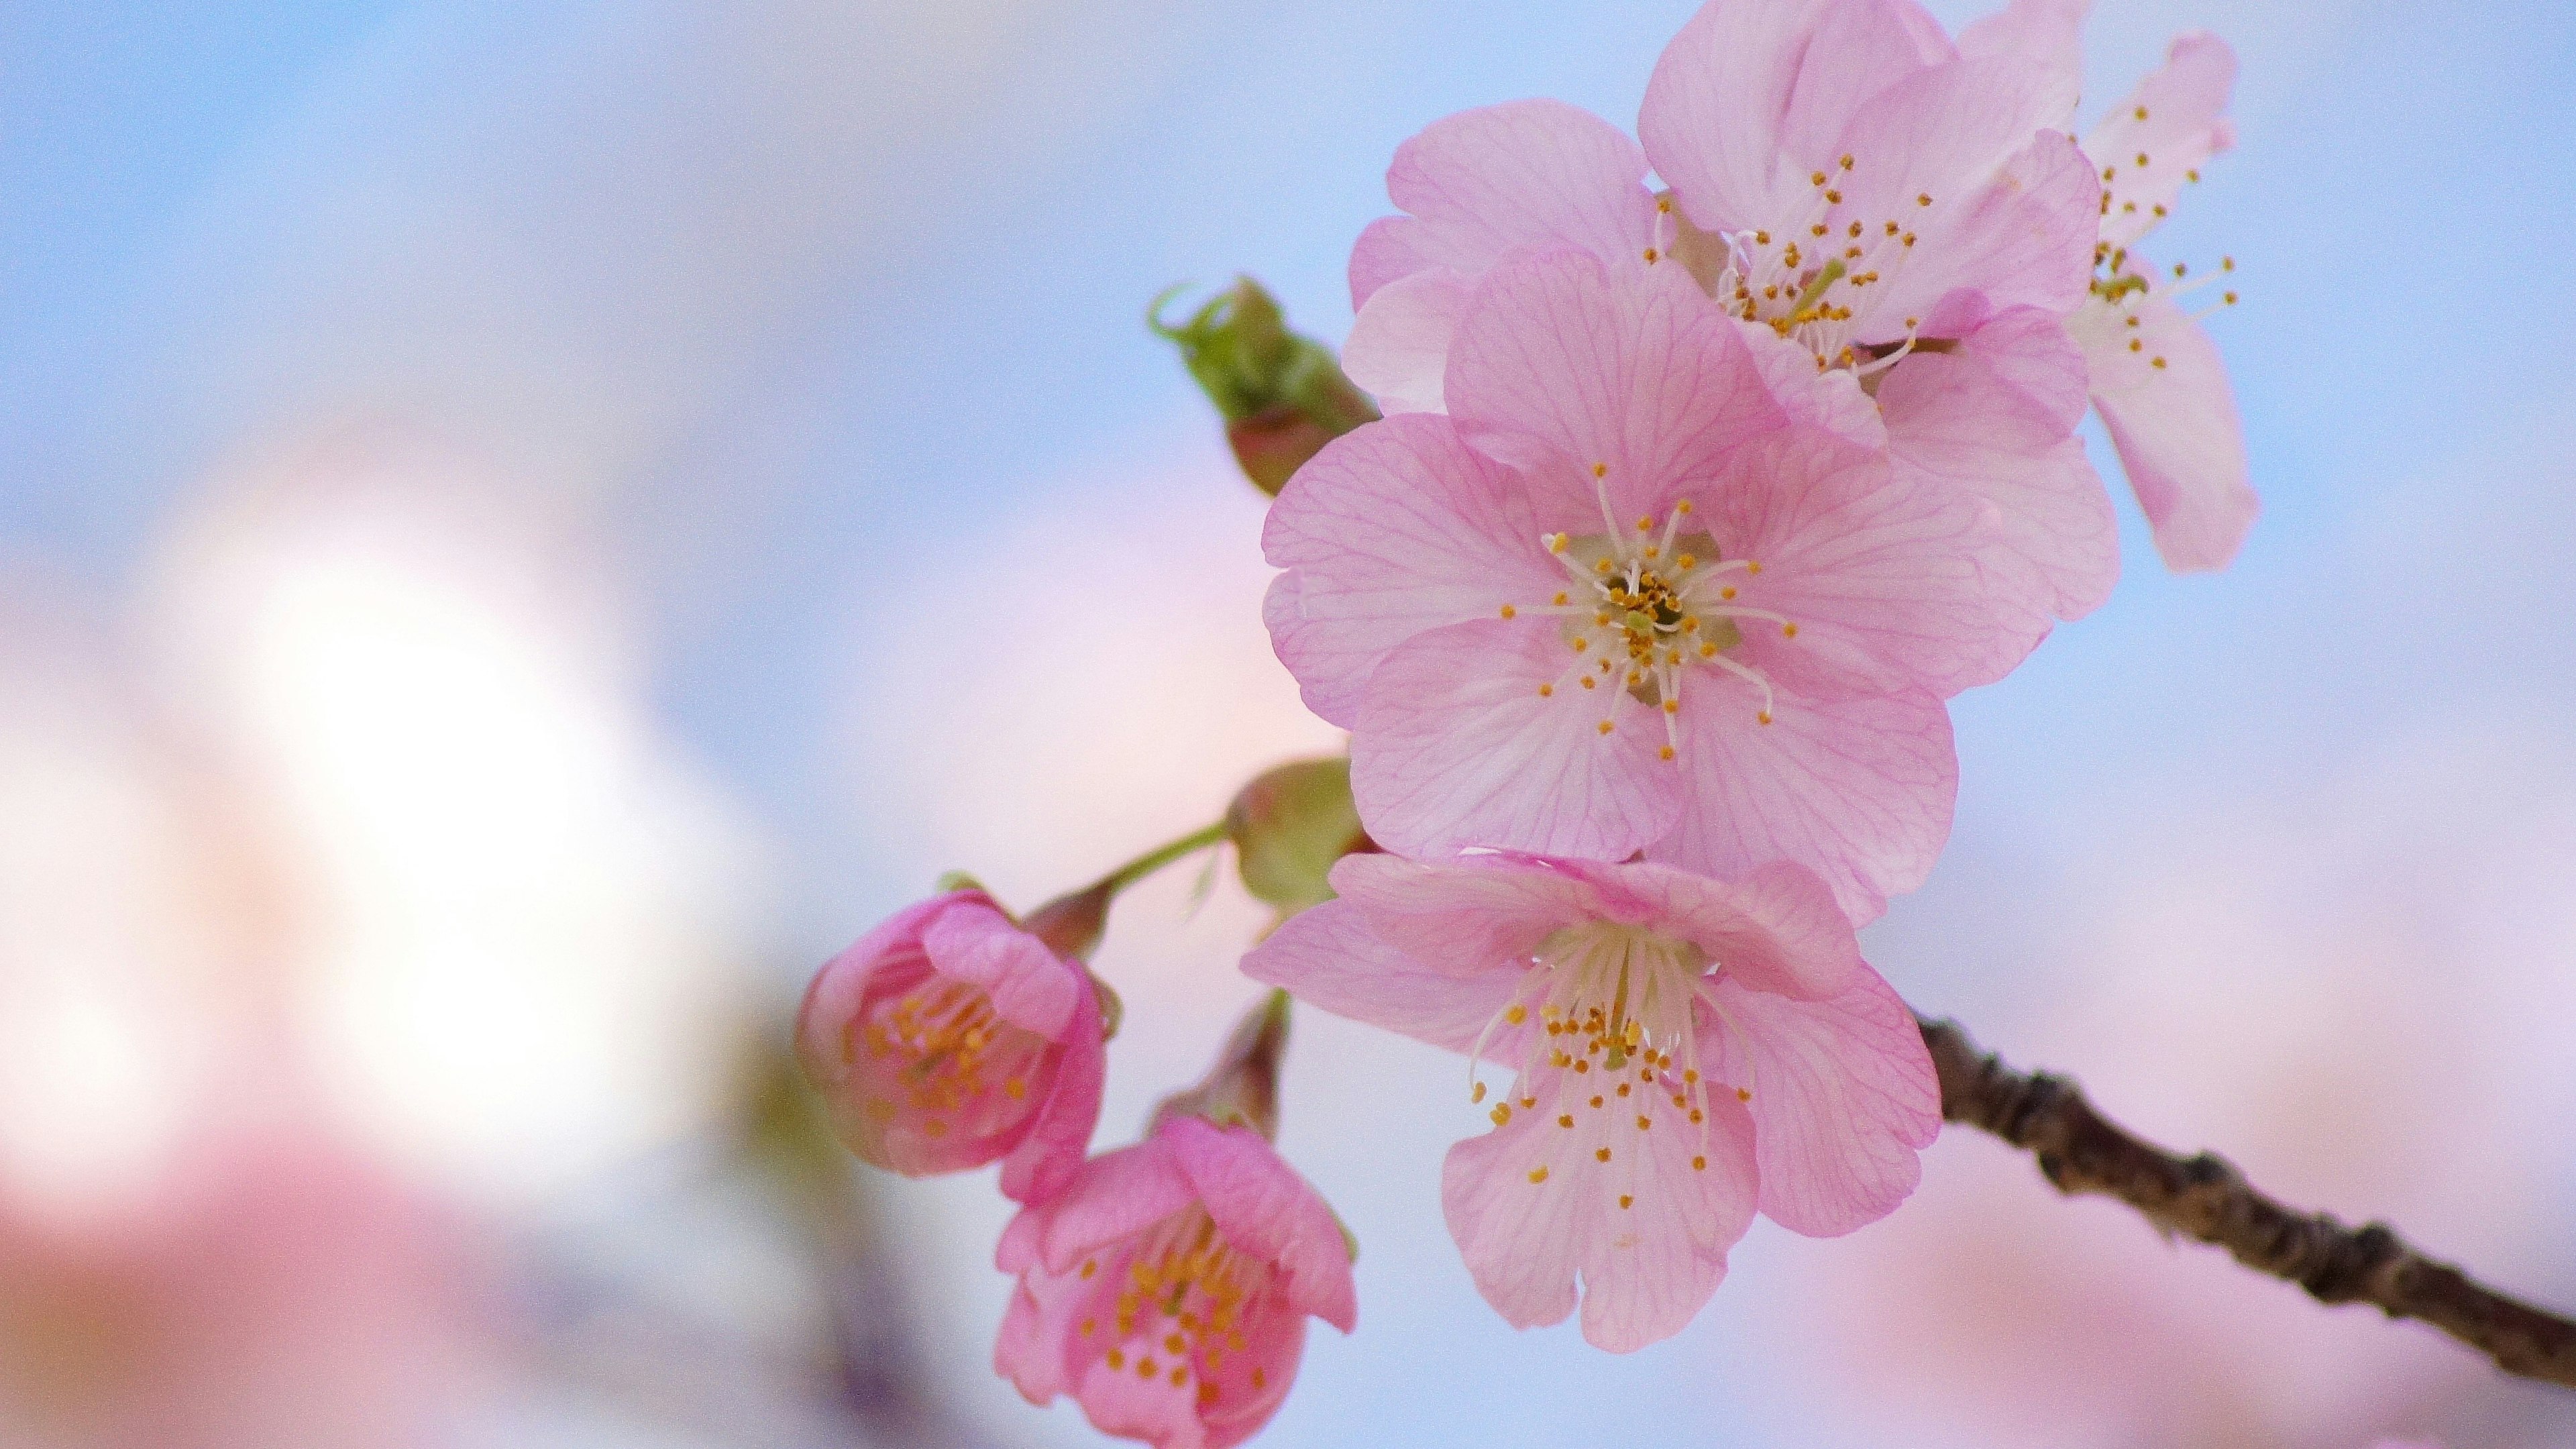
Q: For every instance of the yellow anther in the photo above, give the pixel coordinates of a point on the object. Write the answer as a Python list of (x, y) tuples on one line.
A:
[(1834, 197), (1587, 682), (1672, 706), (1699, 1164), (1752, 567), (1556, 544), (1818, 179), (1501, 1114), (1763, 718), (1744, 1094), (1923, 199), (1788, 631), (1646, 524), (1146, 1368), (1564, 1119), (1664, 204), (1847, 161), (1600, 470), (1762, 238), (1601, 1154), (2142, 113), (1538, 1174), (1667, 752), (2142, 158), (1478, 1094), (2159, 362), (1509, 611), (1517, 1014), (1626, 1199), (1644, 1122), (2137, 345), (1607, 726), (1650, 256)]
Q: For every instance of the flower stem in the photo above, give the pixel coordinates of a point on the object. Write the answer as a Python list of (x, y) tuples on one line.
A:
[(1160, 856)]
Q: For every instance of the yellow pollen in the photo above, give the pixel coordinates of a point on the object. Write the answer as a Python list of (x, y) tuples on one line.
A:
[(1667, 752), (1509, 611), (1091, 1267), (1116, 1359), (1744, 1094), (1516, 1015), (1664, 204), (1694, 1112), (1817, 180), (1607, 726), (1762, 238), (1601, 1154), (2142, 158), (1789, 631), (1259, 1379), (1751, 567), (1015, 1089), (1556, 544), (1582, 1066), (1699, 1164), (1819, 229), (1835, 197), (1626, 1199), (1646, 525), (2159, 362), (1538, 1174), (1588, 682), (1174, 1343), (1145, 1368), (1478, 1094), (1650, 256), (1564, 1119), (1545, 690), (1672, 706), (1690, 1076), (2136, 345), (1847, 161), (2142, 113), (1643, 1123), (1925, 199), (1501, 1114), (1180, 1376), (1600, 470), (1763, 718), (1708, 651)]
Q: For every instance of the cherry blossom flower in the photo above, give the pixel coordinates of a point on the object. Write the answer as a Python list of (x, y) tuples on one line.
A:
[(1628, 596), (2157, 377), (1849, 184), (1686, 1050), (1166, 1286), (949, 1037)]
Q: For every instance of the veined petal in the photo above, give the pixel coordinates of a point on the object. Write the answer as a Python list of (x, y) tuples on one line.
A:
[(2175, 121), (1457, 747), (1392, 529), (1741, 78), (1111, 1197), (2173, 418), (1476, 915), (2020, 235), (1563, 363), (1843, 1099), (1265, 1209), (1878, 575), (1031, 987), (1778, 929), (1994, 418), (1483, 184), (1328, 957), (1399, 345), (1857, 789), (2046, 36)]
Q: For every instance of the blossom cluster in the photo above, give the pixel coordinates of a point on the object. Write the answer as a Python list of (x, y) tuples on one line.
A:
[(1714, 463)]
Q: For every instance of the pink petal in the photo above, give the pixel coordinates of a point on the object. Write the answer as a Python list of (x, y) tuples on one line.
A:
[(1563, 363), (1994, 418), (1456, 747), (1124, 1405), (1778, 929), (1879, 576), (1744, 78), (1486, 183), (1858, 790), (1060, 1131), (1274, 1343), (2185, 102), (1031, 986), (1328, 957), (2047, 36), (1266, 1210), (1391, 530), (1399, 346), (2012, 222), (1113, 1196), (1473, 917), (1649, 1268), (834, 998), (1844, 1098), (2175, 427), (1860, 49)]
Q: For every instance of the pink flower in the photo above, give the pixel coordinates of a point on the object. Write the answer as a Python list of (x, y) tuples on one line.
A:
[(1166, 1286), (2157, 378), (948, 1038), (1687, 1050), (1846, 182), (1628, 597)]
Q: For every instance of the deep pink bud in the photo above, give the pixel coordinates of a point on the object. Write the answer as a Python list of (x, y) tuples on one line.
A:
[(948, 1038)]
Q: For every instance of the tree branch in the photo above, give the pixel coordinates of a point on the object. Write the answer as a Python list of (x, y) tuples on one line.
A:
[(2206, 1198)]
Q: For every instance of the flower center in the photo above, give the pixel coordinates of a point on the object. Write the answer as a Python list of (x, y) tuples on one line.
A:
[(1184, 1298), (2120, 285), (942, 1050), (1809, 278), (1619, 1053), (1646, 606)]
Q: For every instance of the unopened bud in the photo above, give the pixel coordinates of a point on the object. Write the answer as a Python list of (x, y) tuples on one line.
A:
[(1243, 1085), (1289, 826), (1283, 396)]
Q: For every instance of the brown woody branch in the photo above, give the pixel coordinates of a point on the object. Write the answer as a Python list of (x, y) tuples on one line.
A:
[(2206, 1198)]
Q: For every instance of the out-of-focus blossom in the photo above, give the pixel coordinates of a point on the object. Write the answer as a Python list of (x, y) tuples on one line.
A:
[(1628, 596), (948, 1037), (1686, 1050), (1845, 182), (1167, 1286), (1282, 396), (272, 1293), (2157, 377)]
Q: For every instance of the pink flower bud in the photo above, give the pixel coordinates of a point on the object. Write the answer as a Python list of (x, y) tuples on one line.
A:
[(1167, 1286), (948, 1038)]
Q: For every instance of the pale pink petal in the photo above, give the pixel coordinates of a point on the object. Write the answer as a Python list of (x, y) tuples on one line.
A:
[(1563, 363), (1393, 529), (2011, 228), (1648, 1268), (1274, 1344), (1778, 929), (1328, 957), (2176, 121), (1718, 109), (1844, 1098), (1031, 986), (1521, 1240), (1486, 183), (2173, 418), (1859, 50), (2047, 36), (1124, 1404), (1457, 747), (1266, 1210), (1111, 1197), (1479, 914), (1059, 1133), (1879, 577), (1858, 790), (1994, 417), (1025, 1352), (1399, 345)]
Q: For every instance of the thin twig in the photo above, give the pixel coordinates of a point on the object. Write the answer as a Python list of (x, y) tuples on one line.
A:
[(2205, 1197)]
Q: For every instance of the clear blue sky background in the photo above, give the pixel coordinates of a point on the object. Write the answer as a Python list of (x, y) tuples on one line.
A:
[(789, 303)]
